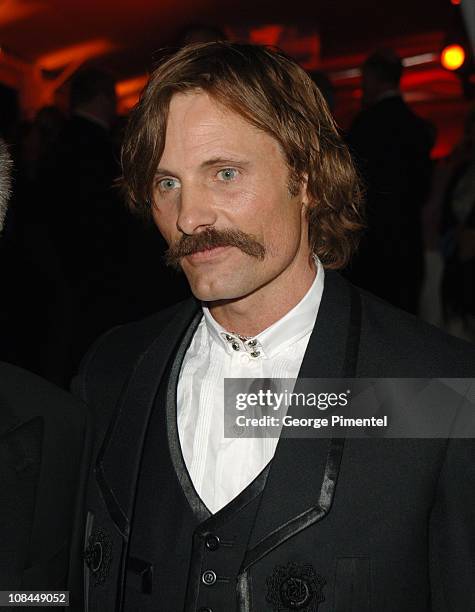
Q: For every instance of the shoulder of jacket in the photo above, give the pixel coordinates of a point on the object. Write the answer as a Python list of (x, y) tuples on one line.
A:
[(24, 395), (411, 347), (109, 362)]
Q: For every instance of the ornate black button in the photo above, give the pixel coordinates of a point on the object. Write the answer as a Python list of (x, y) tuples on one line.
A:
[(94, 559), (295, 593), (295, 587), (212, 542), (98, 555), (208, 577), (205, 609)]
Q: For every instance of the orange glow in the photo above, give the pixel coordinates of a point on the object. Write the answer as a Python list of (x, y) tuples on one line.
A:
[(124, 105), (452, 57), (75, 53), (131, 86), (12, 10)]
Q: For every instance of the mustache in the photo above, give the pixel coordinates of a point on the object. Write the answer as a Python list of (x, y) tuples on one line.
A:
[(211, 238)]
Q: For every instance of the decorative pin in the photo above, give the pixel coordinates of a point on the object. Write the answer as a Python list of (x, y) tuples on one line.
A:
[(238, 342), (295, 587), (98, 555)]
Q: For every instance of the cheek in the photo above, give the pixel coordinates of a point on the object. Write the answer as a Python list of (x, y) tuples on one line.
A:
[(284, 217), (283, 230), (241, 205), (165, 225)]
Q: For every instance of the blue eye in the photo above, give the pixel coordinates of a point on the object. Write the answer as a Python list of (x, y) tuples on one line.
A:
[(228, 174), (168, 184)]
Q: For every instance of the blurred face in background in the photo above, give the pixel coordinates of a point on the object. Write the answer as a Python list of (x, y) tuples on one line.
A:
[(221, 195)]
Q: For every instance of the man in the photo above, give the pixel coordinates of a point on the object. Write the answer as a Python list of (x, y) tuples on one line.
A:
[(41, 443), (88, 225), (234, 154), (392, 147)]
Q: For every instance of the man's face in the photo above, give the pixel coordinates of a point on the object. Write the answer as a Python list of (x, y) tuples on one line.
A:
[(219, 173)]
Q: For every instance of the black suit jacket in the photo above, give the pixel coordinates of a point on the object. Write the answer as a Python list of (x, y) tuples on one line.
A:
[(42, 431), (388, 525)]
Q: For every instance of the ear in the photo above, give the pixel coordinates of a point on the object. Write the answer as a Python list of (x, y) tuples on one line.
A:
[(304, 194)]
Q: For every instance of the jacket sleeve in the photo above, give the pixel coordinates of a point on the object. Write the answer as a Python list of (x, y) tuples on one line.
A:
[(452, 531)]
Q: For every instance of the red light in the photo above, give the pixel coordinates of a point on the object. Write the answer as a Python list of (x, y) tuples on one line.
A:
[(456, 2), (452, 57), (266, 35)]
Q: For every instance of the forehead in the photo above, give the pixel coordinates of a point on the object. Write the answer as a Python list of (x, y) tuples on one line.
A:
[(198, 126)]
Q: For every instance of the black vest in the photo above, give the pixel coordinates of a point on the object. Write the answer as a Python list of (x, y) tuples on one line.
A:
[(181, 557)]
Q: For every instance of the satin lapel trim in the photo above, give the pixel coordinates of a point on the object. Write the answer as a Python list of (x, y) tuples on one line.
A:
[(196, 503), (303, 474), (118, 460), (201, 512), (308, 517)]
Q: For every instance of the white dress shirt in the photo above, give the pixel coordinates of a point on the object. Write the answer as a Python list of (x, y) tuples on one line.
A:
[(220, 468)]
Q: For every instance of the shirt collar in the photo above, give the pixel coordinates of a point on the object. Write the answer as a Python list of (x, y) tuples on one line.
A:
[(293, 326)]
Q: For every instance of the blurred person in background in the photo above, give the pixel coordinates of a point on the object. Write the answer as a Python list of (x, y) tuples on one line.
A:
[(458, 236), (392, 147), (33, 273), (40, 144), (42, 431), (88, 223)]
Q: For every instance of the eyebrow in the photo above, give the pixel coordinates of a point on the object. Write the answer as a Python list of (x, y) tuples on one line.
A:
[(214, 161)]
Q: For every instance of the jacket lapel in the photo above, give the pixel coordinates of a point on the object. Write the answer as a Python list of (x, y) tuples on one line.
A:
[(303, 474), (118, 460)]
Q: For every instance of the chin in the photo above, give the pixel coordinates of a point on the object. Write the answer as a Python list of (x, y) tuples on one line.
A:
[(215, 292), (212, 296)]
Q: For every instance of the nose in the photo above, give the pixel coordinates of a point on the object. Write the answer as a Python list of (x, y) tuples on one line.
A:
[(196, 211)]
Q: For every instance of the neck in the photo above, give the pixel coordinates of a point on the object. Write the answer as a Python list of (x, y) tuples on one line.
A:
[(252, 314)]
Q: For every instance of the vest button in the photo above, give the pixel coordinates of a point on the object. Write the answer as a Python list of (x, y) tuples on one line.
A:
[(212, 542), (205, 609), (208, 577)]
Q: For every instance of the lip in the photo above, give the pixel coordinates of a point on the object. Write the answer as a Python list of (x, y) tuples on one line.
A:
[(207, 255)]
